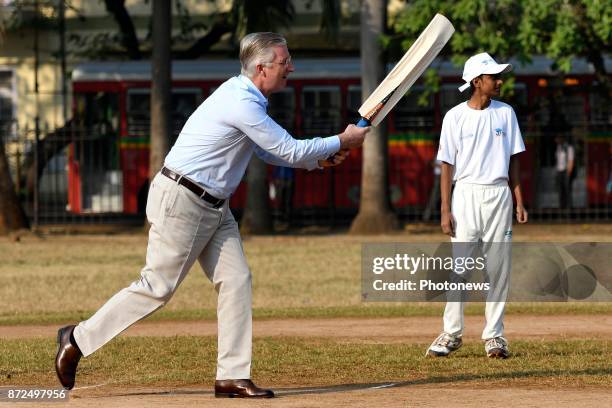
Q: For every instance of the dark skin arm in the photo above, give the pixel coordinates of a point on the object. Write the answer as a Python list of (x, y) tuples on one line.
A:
[(446, 179), (515, 185), (570, 167)]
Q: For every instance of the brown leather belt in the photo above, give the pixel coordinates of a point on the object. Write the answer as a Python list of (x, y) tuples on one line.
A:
[(193, 187)]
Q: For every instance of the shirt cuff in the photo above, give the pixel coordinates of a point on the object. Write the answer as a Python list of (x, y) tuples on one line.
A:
[(332, 145)]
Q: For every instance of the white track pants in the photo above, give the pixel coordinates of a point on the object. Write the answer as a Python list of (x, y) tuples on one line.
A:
[(184, 229), (483, 213)]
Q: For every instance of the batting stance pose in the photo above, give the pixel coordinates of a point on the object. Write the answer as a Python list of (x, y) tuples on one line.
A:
[(190, 220), (479, 141)]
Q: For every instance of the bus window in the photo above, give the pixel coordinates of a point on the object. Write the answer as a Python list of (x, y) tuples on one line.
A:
[(450, 97), (573, 109), (184, 102), (282, 108), (353, 103), (320, 110), (138, 112), (601, 114), (519, 103), (409, 115), (98, 112)]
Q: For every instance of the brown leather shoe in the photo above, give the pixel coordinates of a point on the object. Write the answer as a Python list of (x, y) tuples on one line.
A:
[(240, 389), (67, 359)]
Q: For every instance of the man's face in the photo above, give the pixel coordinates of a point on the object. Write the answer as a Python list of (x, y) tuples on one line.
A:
[(277, 71), (490, 85)]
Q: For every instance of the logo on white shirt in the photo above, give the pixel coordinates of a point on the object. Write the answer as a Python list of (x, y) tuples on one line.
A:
[(499, 132)]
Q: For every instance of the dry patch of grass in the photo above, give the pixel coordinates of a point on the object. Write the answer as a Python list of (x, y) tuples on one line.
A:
[(55, 279)]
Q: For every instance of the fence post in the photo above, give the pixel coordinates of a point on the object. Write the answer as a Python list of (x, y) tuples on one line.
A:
[(18, 169), (36, 159)]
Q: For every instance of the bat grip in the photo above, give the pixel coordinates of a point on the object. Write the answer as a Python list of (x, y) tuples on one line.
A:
[(363, 122)]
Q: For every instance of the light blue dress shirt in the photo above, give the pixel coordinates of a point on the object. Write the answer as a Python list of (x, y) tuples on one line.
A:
[(216, 144)]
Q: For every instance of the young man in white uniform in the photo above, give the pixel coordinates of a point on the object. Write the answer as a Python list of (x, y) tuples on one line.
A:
[(479, 142), (187, 208)]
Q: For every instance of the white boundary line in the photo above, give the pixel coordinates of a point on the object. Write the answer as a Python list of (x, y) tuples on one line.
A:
[(89, 386)]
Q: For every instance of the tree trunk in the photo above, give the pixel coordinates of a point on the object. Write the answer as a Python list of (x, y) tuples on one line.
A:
[(256, 218), (161, 86), (375, 215), (12, 216)]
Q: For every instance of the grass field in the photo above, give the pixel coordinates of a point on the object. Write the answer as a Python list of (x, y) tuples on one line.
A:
[(60, 278), (54, 279), (288, 361)]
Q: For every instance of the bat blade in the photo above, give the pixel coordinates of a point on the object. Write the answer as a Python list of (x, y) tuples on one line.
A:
[(405, 73)]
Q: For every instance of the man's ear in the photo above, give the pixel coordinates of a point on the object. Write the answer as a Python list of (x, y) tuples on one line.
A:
[(259, 69)]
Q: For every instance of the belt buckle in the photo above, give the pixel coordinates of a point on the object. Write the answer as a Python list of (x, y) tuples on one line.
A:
[(172, 175)]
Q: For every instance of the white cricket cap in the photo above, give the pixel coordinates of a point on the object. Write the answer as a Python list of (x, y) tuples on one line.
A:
[(480, 64)]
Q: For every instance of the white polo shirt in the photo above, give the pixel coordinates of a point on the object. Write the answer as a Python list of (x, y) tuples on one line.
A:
[(219, 138), (479, 143), (564, 154)]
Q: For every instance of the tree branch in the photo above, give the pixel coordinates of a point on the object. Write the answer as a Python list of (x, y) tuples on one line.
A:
[(221, 26), (128, 33)]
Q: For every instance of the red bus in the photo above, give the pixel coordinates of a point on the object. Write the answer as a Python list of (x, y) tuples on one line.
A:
[(108, 167)]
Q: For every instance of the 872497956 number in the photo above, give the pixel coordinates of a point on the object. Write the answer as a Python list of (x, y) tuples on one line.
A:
[(16, 394)]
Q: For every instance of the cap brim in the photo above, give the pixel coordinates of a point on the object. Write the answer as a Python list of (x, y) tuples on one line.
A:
[(498, 69), (491, 70)]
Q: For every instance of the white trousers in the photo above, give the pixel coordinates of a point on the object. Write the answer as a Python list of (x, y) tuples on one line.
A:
[(184, 228), (483, 213)]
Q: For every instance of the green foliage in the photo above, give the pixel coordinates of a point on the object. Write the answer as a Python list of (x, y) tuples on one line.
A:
[(560, 29)]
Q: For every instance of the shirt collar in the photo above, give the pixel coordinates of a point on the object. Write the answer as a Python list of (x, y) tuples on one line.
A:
[(253, 89)]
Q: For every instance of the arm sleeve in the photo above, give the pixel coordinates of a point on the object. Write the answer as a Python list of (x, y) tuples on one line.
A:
[(252, 120), (516, 138), (276, 161), (447, 150)]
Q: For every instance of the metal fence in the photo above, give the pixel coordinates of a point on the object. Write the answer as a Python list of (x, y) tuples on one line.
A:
[(75, 175), (49, 175)]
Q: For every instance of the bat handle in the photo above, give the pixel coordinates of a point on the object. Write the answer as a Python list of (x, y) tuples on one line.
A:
[(363, 122)]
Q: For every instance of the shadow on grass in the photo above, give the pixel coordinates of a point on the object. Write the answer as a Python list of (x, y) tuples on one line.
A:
[(282, 392)]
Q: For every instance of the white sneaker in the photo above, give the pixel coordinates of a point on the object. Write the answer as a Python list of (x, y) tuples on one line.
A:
[(497, 347), (443, 345)]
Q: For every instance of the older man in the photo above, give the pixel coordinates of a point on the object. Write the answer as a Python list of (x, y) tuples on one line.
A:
[(190, 220)]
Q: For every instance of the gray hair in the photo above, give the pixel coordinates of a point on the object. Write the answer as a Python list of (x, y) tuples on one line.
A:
[(256, 48)]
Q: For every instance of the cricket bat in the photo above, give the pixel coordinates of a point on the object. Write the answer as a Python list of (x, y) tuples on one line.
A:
[(406, 72)]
